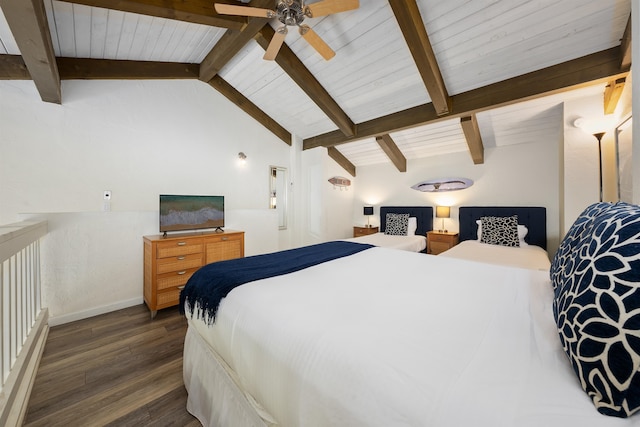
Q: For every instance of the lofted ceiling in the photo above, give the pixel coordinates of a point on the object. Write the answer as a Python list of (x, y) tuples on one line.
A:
[(410, 79)]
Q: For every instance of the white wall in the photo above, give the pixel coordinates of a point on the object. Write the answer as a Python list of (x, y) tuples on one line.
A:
[(326, 210), (519, 175), (338, 201), (137, 139), (133, 138)]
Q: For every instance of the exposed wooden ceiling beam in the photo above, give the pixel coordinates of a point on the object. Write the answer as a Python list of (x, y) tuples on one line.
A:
[(27, 20), (392, 151), (612, 93), (227, 47), (414, 31), (625, 46), (342, 160), (231, 43), (194, 11), (292, 65), (105, 69), (250, 108), (474, 139), (592, 69), (12, 67)]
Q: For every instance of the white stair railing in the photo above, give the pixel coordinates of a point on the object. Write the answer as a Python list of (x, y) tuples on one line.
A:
[(23, 321)]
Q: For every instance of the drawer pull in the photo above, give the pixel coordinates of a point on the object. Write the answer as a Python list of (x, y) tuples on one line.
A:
[(225, 238), (182, 243), (181, 273), (180, 287), (181, 258)]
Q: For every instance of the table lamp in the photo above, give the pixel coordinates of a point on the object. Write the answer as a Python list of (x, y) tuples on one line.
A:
[(443, 212)]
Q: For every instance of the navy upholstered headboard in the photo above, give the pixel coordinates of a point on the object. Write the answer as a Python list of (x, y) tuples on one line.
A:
[(423, 214), (535, 218)]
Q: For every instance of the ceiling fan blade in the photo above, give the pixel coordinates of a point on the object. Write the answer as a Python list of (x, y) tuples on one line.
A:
[(275, 44), (316, 42), (327, 7), (230, 9)]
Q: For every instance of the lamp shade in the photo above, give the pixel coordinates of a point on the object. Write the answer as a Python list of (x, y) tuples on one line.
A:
[(443, 211), (368, 210)]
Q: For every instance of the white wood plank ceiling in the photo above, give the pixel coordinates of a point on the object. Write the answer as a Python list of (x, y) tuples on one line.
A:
[(476, 43)]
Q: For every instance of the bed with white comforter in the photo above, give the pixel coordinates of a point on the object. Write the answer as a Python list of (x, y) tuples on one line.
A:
[(529, 251), (419, 222), (529, 256), (413, 243), (387, 338)]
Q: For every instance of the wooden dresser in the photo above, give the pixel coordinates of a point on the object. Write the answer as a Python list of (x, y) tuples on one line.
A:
[(440, 241), (170, 261)]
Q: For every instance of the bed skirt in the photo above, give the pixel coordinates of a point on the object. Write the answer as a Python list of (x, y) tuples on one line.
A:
[(214, 396)]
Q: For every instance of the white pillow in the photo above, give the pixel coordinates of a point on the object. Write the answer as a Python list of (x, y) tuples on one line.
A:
[(522, 232), (413, 226)]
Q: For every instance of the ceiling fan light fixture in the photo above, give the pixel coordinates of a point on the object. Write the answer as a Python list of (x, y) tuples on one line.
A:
[(293, 12)]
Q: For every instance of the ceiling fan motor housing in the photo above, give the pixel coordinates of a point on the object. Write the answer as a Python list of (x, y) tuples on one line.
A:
[(290, 12)]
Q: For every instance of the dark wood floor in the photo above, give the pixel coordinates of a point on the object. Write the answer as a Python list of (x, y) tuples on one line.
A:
[(118, 369)]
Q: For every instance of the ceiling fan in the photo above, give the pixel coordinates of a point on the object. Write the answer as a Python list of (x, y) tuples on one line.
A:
[(293, 12)]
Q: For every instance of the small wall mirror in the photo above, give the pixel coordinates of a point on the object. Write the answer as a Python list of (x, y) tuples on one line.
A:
[(278, 194)]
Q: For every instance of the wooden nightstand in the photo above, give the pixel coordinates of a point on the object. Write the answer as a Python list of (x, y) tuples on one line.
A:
[(364, 231), (440, 241)]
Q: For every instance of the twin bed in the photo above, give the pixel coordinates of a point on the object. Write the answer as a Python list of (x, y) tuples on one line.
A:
[(387, 337), (530, 253), (416, 238)]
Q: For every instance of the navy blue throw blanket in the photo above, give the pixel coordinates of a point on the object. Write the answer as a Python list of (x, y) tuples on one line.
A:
[(211, 283)]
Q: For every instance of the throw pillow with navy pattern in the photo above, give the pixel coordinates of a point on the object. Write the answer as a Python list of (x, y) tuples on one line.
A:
[(597, 310), (499, 230), (396, 224), (563, 260)]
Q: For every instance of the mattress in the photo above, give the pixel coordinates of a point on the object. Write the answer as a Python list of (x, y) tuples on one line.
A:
[(415, 243), (529, 256), (390, 338)]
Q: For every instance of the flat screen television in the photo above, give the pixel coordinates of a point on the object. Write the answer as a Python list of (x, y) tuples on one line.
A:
[(187, 213)]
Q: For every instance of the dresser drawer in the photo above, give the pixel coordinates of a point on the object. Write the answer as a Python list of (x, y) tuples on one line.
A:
[(223, 247), (223, 238), (179, 263), (174, 279), (176, 248), (168, 298)]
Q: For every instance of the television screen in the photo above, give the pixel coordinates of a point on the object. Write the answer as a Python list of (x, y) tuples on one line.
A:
[(180, 213)]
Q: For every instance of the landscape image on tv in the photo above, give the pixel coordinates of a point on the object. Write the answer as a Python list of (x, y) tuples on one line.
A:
[(178, 213)]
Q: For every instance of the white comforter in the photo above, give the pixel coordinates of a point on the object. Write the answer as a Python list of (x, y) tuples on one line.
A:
[(394, 338), (414, 243), (530, 256)]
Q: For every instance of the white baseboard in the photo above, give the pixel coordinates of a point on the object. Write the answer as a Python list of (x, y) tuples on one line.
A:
[(72, 317)]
